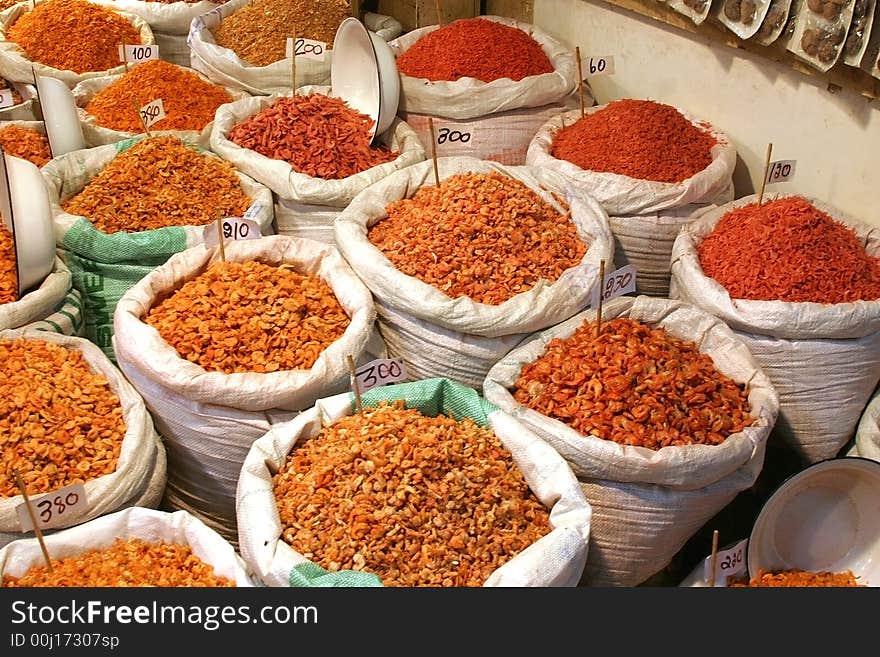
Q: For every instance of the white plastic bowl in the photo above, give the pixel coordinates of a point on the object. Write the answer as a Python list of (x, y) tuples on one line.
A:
[(63, 128), (825, 518)]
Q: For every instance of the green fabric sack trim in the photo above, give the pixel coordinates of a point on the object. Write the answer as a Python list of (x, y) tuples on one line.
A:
[(311, 574), (149, 248), (432, 397)]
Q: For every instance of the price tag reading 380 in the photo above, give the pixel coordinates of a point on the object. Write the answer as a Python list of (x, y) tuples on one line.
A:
[(617, 283), (780, 171), (728, 563), (137, 53), (6, 99), (380, 372), (233, 228), (55, 508), (305, 48), (152, 112)]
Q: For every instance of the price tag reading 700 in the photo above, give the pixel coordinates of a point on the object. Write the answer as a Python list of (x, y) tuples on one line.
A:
[(55, 508), (617, 283), (380, 372)]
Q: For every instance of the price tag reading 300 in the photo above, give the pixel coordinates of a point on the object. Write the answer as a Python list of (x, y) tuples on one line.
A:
[(55, 508), (380, 372), (617, 283)]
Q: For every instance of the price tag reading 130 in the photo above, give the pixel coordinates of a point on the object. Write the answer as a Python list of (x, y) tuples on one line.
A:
[(780, 171), (55, 508), (728, 563), (233, 228), (617, 283), (380, 372)]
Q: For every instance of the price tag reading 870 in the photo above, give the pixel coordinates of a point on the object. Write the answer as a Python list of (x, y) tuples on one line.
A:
[(55, 508), (152, 112), (380, 372), (728, 563), (305, 48), (233, 228), (617, 283)]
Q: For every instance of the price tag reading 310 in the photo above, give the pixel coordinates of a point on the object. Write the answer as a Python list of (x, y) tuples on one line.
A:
[(617, 283), (780, 171), (380, 372), (55, 508), (152, 112)]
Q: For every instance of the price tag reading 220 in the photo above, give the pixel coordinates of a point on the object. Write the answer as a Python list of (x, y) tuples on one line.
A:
[(728, 563), (55, 508), (380, 372)]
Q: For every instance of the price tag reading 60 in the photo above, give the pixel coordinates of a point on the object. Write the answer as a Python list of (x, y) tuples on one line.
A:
[(55, 508)]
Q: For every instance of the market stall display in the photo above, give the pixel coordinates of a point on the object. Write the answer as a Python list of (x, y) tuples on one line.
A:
[(121, 210), (820, 31), (487, 84), (133, 547), (662, 427), (45, 41), (489, 503), (107, 441), (313, 151), (650, 165), (222, 350), (811, 316), (463, 271), (189, 101)]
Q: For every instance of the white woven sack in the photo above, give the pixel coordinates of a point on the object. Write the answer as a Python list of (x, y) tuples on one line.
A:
[(622, 195), (648, 503), (178, 528), (314, 222), (173, 48), (68, 174), (15, 65), (429, 330), (502, 136), (40, 302), (68, 318), (167, 17), (109, 492), (210, 419), (556, 559), (280, 177), (469, 98), (98, 135), (868, 433), (823, 359)]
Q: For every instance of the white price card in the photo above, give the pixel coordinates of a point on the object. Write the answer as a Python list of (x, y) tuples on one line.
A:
[(152, 112), (451, 135), (6, 98), (598, 65), (780, 171), (55, 508), (380, 372), (617, 283), (305, 48), (728, 563), (137, 53), (233, 228)]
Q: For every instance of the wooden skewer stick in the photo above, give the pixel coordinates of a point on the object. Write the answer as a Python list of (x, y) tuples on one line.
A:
[(434, 150), (439, 12), (714, 560), (30, 510), (766, 171), (137, 108), (601, 286), (577, 54), (293, 60), (355, 388), (355, 8), (124, 56), (220, 236)]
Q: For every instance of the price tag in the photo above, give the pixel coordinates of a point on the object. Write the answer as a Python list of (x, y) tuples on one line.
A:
[(617, 283), (305, 48), (780, 171), (233, 229), (452, 136), (152, 112), (6, 98), (598, 65), (138, 53), (55, 508), (728, 563), (380, 372)]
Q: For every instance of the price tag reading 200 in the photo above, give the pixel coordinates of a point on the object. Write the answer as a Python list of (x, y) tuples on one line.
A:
[(380, 372), (307, 48), (55, 508)]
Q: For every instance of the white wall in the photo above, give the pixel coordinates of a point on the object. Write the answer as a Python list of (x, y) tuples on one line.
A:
[(835, 138)]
